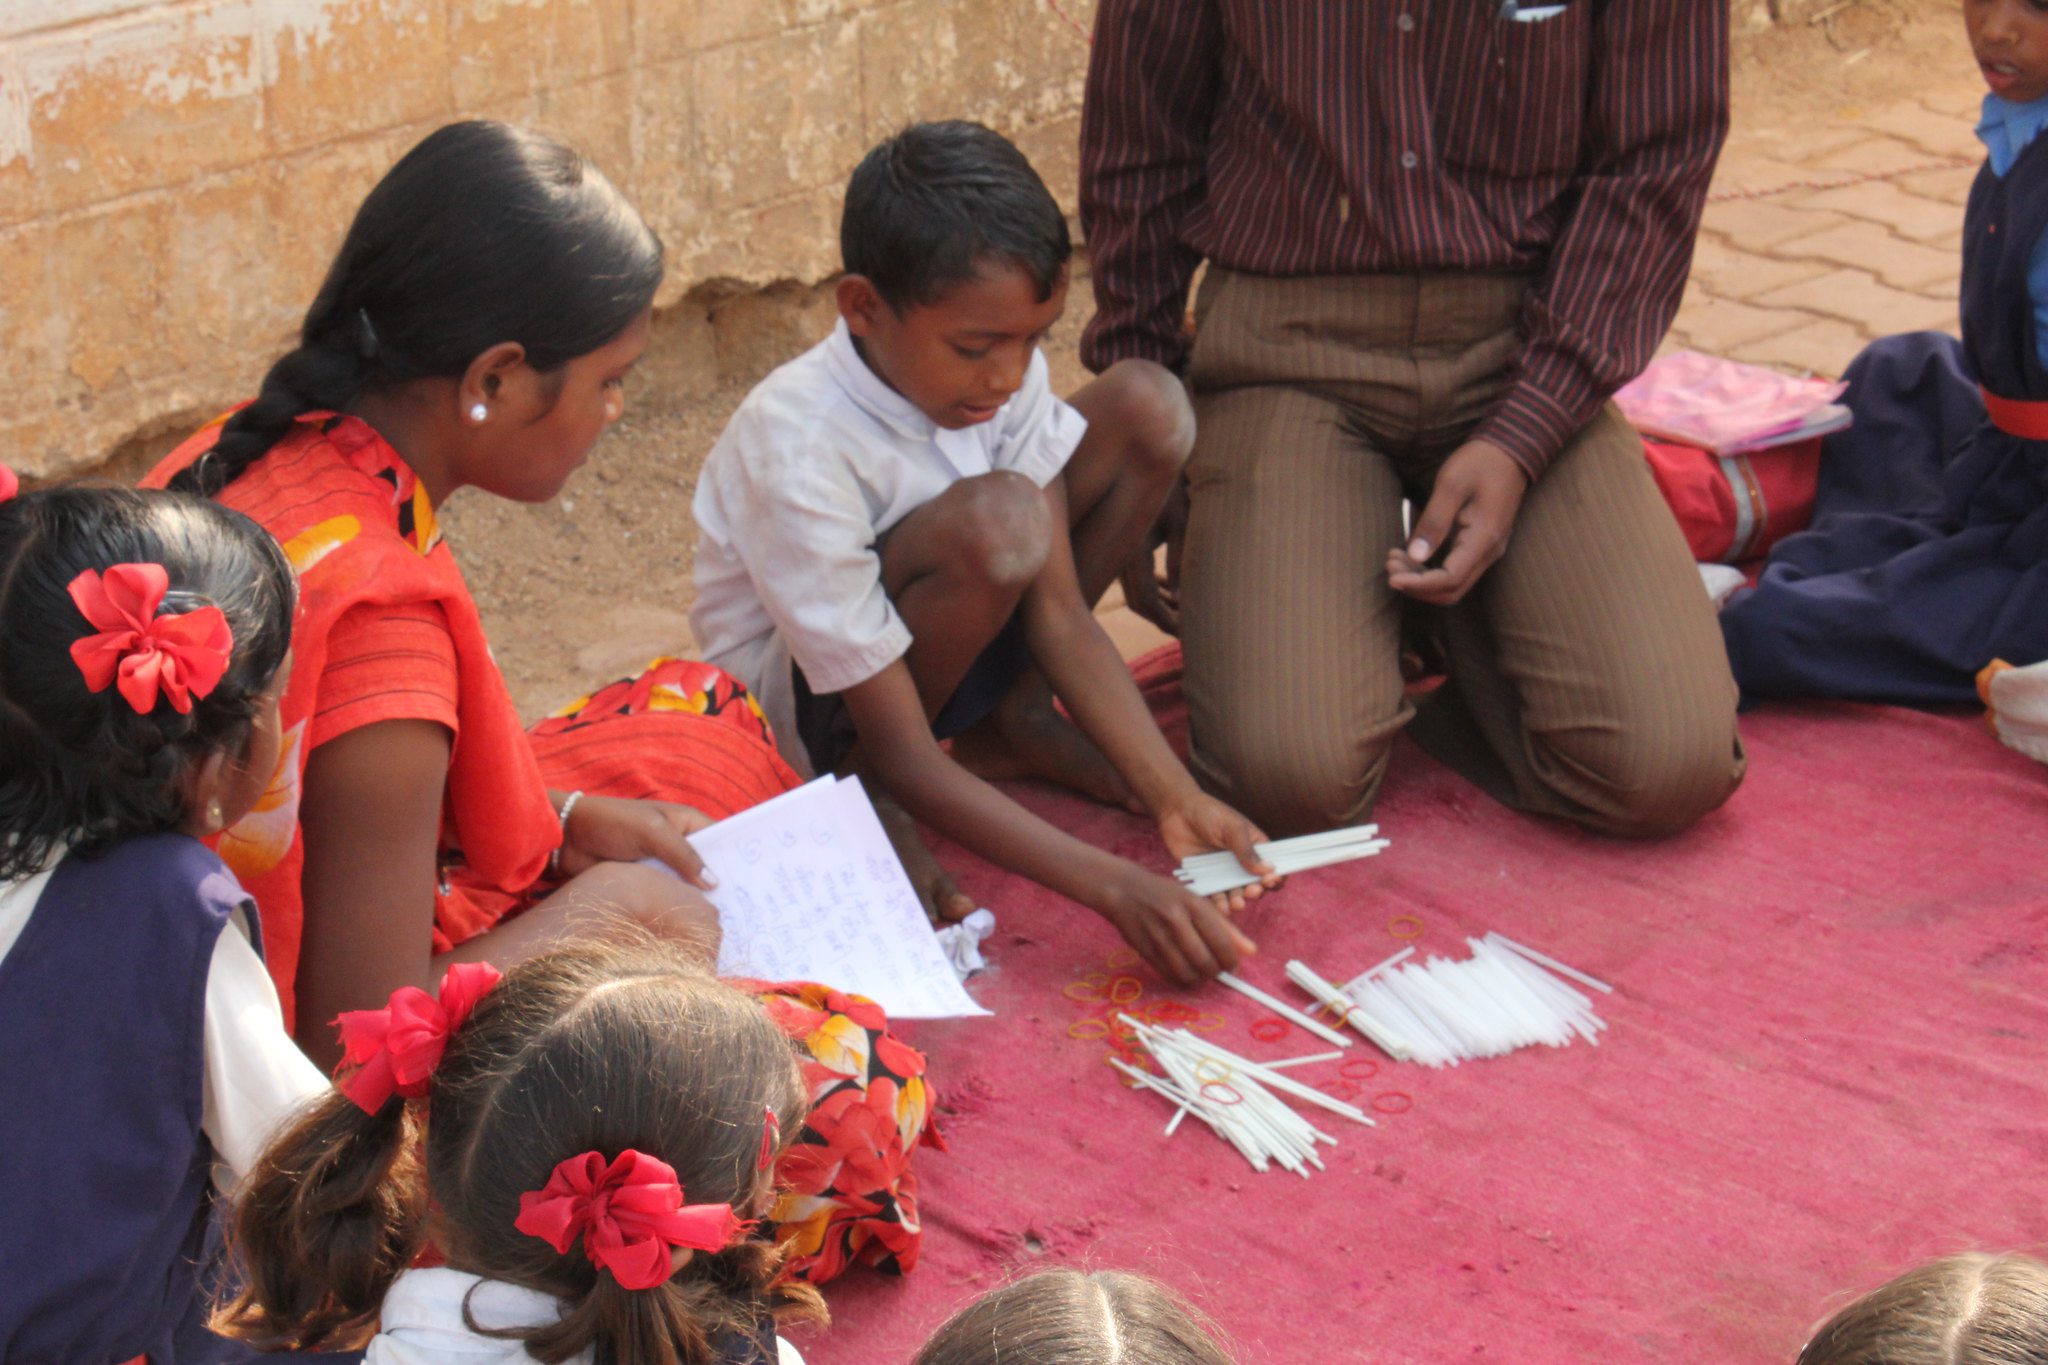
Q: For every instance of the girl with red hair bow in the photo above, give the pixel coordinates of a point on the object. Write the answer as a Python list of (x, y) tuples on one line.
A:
[(145, 645), (600, 1129)]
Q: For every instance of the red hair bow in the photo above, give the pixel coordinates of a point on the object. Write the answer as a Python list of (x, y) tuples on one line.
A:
[(180, 655), (629, 1212), (10, 484), (396, 1049)]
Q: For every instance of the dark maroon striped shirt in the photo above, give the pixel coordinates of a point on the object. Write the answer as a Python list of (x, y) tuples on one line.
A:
[(1342, 137)]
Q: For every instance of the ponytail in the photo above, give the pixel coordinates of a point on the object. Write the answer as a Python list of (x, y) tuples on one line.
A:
[(331, 1214), (682, 1321), (313, 378), (481, 234)]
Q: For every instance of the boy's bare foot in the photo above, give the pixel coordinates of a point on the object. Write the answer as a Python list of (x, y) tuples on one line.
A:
[(944, 901), (1026, 737)]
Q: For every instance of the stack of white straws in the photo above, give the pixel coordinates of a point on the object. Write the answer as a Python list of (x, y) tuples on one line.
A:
[(1439, 1012), (1206, 874), (1232, 1096)]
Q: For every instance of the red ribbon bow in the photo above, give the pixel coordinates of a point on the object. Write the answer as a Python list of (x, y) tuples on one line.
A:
[(180, 655), (396, 1049), (630, 1212), (10, 483), (771, 1129)]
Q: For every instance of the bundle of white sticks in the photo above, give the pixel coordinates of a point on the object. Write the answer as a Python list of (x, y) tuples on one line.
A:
[(1206, 874), (1234, 1096), (1441, 1012)]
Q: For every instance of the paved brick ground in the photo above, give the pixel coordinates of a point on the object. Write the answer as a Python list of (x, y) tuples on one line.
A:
[(1818, 239)]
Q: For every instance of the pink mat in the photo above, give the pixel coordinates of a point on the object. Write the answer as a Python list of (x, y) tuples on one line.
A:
[(1828, 1059)]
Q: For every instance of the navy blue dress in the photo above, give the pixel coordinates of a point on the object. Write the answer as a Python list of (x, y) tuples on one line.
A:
[(1928, 554), (105, 1176)]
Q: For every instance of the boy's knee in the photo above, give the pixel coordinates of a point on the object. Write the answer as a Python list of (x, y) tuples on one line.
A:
[(1000, 528), (1149, 406)]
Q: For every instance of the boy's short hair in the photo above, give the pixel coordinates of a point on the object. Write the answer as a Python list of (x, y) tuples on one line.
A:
[(929, 205)]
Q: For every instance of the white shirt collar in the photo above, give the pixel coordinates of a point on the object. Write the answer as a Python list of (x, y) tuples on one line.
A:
[(869, 393)]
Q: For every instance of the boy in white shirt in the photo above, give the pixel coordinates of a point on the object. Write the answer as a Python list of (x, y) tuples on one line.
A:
[(903, 531)]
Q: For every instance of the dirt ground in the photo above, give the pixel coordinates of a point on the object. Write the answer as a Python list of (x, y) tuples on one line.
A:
[(588, 588)]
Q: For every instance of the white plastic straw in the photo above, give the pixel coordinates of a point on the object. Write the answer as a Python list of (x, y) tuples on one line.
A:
[(1283, 1009), (1540, 960), (1442, 1011), (1348, 1012), (1208, 874)]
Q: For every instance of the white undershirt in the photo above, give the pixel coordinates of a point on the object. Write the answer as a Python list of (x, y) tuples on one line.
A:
[(422, 1323), (255, 1076)]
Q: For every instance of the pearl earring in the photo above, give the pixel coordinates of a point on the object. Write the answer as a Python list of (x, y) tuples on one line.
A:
[(478, 412)]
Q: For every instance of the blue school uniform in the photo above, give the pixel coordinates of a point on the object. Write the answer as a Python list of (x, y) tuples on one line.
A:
[(1928, 554), (105, 1174)]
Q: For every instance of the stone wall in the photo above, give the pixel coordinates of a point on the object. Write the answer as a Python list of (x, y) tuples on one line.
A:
[(174, 174)]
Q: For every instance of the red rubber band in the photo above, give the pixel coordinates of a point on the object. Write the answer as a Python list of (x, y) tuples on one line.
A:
[(1349, 1069), (1340, 1090), (1402, 1102), (1235, 1097), (1271, 1029)]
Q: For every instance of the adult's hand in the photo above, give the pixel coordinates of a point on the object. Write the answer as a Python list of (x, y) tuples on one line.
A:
[(1469, 515), (607, 829)]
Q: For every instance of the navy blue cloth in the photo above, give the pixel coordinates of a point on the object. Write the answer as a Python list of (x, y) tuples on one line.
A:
[(2005, 220), (105, 1175), (827, 730), (1928, 553)]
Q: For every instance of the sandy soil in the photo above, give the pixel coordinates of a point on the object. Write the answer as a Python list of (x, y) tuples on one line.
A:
[(589, 587)]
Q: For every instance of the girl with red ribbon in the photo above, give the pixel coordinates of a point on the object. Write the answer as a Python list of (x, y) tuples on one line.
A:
[(599, 1128), (146, 643)]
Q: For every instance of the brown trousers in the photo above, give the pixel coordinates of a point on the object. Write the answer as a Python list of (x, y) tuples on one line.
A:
[(1588, 677)]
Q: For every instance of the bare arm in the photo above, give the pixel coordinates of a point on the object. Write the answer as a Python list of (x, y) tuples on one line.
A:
[(371, 821), (1088, 674), (370, 818)]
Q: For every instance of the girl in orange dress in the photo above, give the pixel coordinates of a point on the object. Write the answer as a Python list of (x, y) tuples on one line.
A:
[(475, 330)]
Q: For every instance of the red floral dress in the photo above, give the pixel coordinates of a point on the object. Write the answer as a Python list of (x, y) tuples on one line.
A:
[(849, 1196)]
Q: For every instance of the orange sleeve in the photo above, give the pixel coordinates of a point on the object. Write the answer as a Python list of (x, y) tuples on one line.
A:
[(386, 663)]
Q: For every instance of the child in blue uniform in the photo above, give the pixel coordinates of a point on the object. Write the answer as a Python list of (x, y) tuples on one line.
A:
[(601, 1126), (143, 651), (1928, 556)]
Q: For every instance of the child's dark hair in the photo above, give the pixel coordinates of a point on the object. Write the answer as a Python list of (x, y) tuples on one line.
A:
[(1961, 1310), (593, 1046), (483, 233), (84, 769), (927, 208), (1062, 1317)]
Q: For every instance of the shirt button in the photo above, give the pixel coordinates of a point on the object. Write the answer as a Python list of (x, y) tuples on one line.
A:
[(1406, 23), (1409, 161)]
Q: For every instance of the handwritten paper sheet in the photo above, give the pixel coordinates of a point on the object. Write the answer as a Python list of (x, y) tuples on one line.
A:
[(810, 889)]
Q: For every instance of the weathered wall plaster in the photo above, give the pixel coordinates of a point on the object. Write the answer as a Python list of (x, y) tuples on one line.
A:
[(174, 174)]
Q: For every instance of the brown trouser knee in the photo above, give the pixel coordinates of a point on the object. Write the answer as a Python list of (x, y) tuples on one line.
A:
[(1588, 678)]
